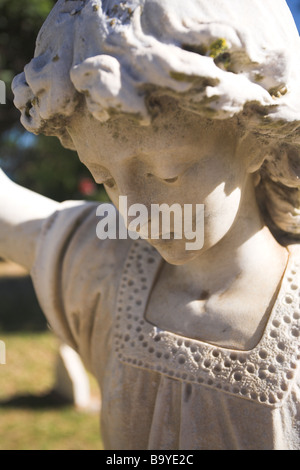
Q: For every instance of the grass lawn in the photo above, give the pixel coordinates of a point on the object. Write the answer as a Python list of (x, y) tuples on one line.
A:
[(28, 419), (26, 424)]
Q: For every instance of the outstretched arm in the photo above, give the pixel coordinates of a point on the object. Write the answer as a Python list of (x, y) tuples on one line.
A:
[(22, 213)]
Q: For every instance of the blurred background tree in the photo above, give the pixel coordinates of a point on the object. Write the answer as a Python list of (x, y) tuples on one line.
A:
[(36, 162)]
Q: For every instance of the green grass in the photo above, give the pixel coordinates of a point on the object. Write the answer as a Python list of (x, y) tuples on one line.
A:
[(29, 372)]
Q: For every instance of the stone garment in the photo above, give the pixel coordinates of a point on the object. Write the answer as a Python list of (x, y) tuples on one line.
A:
[(161, 390)]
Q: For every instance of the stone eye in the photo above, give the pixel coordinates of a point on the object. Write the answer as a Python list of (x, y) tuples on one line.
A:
[(171, 180), (166, 180)]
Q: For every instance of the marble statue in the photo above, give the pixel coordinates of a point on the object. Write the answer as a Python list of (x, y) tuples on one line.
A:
[(173, 102)]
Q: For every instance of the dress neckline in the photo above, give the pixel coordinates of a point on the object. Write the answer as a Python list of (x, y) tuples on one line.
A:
[(264, 374)]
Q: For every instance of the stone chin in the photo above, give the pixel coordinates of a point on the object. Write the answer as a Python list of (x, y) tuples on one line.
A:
[(174, 251)]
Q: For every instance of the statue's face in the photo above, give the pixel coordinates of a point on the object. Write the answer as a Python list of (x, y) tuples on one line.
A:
[(180, 158)]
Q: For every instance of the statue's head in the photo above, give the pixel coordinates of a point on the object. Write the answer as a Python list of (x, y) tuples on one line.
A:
[(141, 77)]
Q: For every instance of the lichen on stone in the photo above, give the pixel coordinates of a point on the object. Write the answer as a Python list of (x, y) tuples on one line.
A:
[(218, 47), (223, 60), (183, 77)]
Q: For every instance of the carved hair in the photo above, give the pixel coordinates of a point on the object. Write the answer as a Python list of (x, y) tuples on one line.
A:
[(218, 59)]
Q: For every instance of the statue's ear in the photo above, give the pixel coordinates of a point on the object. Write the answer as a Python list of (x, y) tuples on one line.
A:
[(252, 151), (257, 161)]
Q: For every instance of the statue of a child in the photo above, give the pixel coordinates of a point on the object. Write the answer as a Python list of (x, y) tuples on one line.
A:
[(175, 102)]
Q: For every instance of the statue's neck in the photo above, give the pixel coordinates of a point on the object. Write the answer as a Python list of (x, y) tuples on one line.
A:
[(248, 246)]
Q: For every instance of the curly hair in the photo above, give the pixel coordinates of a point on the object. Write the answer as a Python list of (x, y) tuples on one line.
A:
[(217, 59)]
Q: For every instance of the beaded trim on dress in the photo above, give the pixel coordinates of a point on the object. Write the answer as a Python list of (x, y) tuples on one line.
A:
[(263, 375)]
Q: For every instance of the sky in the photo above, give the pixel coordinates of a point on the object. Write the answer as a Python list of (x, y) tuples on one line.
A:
[(295, 8)]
